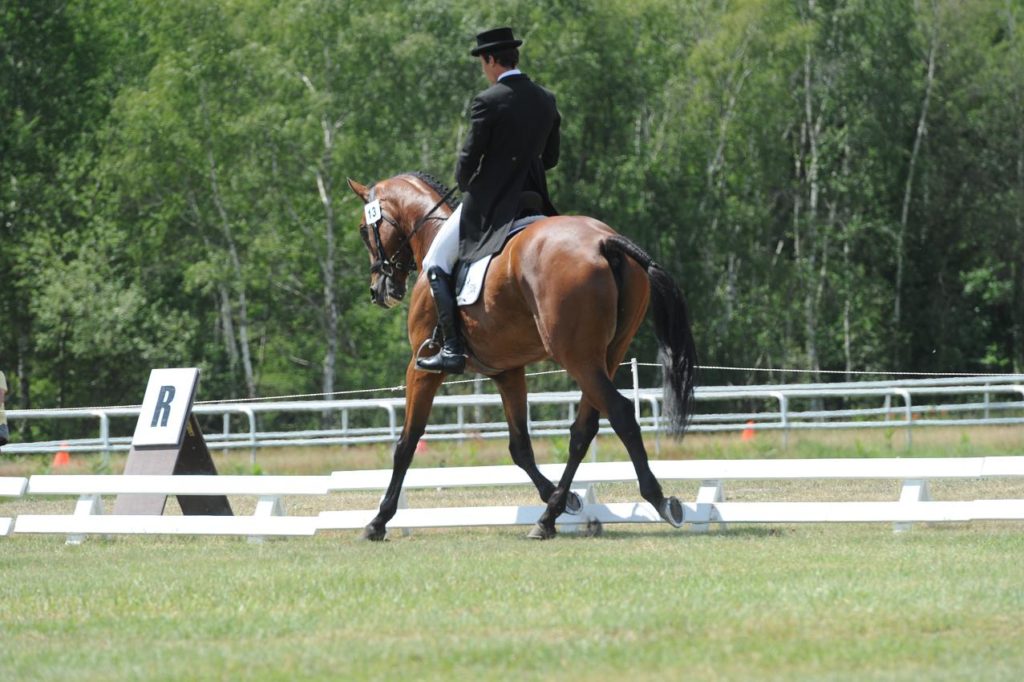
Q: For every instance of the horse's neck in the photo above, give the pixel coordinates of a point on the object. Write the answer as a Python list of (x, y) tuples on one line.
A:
[(425, 237)]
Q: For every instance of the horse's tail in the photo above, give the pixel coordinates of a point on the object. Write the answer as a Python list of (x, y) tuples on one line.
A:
[(678, 353)]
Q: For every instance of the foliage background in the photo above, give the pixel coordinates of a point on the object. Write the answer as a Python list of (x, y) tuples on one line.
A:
[(836, 184)]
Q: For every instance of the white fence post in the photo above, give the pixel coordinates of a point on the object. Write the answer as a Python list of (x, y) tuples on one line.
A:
[(710, 492), (636, 390), (783, 417), (909, 410), (105, 438), (267, 505), (87, 505), (913, 490)]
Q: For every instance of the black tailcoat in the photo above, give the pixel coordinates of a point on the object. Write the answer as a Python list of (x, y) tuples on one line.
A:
[(513, 139)]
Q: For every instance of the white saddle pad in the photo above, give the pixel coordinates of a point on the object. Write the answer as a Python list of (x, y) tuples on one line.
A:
[(474, 283)]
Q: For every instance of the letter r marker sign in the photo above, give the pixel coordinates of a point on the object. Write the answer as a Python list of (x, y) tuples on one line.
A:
[(168, 441), (163, 406), (166, 407)]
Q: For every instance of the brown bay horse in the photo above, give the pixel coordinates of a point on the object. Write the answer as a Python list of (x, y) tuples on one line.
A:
[(567, 288)]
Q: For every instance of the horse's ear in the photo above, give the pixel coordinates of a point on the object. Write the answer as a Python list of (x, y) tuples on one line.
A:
[(362, 191)]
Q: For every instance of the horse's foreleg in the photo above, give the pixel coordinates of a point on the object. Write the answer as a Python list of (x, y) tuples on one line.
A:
[(419, 397), (512, 386), (581, 434)]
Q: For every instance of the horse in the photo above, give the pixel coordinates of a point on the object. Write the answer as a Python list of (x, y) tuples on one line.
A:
[(567, 288)]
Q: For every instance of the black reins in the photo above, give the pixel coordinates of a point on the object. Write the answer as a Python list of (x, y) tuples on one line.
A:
[(387, 266)]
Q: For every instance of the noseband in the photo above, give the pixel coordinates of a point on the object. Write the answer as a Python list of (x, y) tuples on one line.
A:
[(388, 266)]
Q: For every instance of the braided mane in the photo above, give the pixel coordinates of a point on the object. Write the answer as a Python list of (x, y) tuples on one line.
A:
[(435, 185)]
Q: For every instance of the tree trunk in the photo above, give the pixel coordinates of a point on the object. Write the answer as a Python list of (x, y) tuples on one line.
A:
[(24, 397), (234, 259), (236, 267), (847, 334), (922, 130), (1017, 265), (329, 310), (808, 246), (330, 302), (228, 325)]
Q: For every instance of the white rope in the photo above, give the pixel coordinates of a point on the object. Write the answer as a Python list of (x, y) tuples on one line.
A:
[(843, 371), (401, 387), (294, 396)]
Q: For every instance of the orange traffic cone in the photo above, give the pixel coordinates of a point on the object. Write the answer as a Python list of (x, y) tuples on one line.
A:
[(62, 458), (748, 433)]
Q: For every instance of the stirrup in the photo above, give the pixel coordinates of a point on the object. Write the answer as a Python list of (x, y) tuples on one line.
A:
[(445, 362)]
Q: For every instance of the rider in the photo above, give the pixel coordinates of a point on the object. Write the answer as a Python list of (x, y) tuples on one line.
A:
[(513, 139)]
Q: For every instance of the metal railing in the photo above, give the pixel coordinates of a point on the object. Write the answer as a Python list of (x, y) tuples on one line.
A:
[(906, 404)]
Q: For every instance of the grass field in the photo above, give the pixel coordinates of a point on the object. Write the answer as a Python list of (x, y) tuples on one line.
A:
[(836, 602)]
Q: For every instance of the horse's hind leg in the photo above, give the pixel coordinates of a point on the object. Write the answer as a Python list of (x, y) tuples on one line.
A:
[(580, 436), (599, 389)]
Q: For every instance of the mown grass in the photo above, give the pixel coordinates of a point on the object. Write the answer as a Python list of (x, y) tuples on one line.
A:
[(792, 602), (808, 602)]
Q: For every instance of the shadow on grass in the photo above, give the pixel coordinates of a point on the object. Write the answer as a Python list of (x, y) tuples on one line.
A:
[(616, 533)]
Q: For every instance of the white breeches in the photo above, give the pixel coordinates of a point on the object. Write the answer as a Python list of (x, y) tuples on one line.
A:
[(444, 250)]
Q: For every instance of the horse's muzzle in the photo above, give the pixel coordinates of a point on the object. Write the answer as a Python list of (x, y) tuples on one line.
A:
[(386, 293)]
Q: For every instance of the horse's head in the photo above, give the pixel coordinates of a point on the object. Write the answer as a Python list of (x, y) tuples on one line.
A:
[(387, 241), (400, 217)]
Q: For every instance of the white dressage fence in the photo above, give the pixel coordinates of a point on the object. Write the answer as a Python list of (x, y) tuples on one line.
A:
[(10, 487), (711, 505), (904, 404)]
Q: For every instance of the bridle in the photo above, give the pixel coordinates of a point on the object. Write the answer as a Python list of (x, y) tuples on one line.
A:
[(388, 266)]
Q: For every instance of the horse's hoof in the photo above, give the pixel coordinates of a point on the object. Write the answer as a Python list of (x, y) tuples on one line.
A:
[(573, 504), (540, 532), (374, 534), (672, 511)]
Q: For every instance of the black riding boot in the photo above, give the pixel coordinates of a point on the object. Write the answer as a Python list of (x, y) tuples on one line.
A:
[(452, 358)]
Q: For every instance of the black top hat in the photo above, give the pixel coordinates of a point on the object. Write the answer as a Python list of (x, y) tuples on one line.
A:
[(494, 40)]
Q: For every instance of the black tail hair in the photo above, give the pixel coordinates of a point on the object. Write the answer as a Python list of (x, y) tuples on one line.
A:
[(677, 350)]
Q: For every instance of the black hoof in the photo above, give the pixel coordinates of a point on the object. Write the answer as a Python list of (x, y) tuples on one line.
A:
[(672, 511), (573, 504), (541, 532), (374, 534)]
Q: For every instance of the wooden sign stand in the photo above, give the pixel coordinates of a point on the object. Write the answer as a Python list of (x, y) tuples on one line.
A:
[(168, 440)]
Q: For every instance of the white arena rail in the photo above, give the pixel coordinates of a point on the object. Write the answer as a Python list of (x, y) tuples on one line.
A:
[(915, 502), (904, 404), (10, 487), (268, 518), (710, 506)]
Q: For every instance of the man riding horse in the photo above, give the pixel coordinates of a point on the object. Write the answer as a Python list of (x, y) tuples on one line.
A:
[(513, 139), (568, 289)]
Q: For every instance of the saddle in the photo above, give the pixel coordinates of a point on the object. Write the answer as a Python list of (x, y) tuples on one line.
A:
[(469, 277)]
